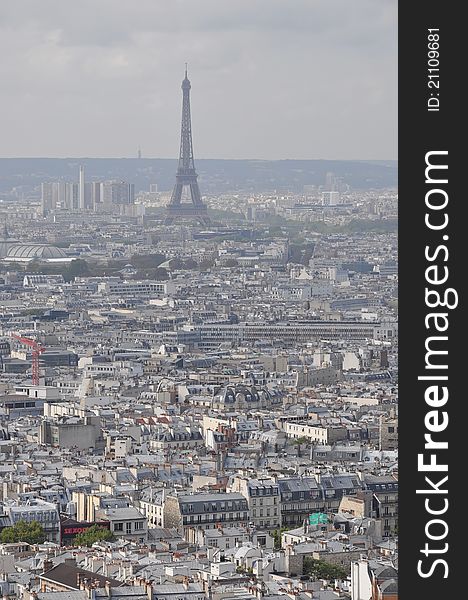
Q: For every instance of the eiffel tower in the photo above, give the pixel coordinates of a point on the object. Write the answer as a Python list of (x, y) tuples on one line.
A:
[(186, 176)]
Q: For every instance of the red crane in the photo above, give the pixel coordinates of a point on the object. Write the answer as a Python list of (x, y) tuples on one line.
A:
[(37, 350)]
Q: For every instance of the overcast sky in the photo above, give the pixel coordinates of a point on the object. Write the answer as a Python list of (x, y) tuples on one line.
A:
[(270, 79)]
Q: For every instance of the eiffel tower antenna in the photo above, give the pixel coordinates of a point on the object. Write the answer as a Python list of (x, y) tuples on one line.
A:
[(186, 176)]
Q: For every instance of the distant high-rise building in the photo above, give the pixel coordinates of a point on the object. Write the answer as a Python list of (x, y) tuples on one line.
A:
[(330, 182), (117, 192), (48, 197), (95, 193), (82, 202), (72, 196), (58, 195), (61, 187), (330, 198), (334, 183), (153, 188)]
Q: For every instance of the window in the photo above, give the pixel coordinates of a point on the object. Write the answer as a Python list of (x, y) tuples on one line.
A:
[(118, 526), (128, 527), (138, 525)]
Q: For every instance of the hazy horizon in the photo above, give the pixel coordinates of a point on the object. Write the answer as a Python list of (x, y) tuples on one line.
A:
[(101, 79), (245, 158)]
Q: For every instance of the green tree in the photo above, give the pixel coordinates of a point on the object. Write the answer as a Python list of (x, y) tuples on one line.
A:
[(230, 262), (301, 440), (205, 264), (35, 266), (176, 264), (277, 536), (190, 264), (147, 261), (222, 216), (93, 534), (77, 268), (320, 569), (22, 531), (158, 274), (301, 254)]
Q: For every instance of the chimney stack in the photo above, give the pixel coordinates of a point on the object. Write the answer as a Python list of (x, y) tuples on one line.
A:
[(149, 590), (48, 564)]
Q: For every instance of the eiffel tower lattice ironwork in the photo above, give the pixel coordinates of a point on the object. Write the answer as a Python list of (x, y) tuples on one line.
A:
[(186, 176)]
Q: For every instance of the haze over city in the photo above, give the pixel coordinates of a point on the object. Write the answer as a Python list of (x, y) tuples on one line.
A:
[(198, 300), (102, 78)]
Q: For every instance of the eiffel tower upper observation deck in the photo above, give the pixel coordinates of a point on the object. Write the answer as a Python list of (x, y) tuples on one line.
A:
[(186, 202)]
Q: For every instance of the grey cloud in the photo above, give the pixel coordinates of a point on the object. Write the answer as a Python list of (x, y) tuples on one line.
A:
[(278, 78)]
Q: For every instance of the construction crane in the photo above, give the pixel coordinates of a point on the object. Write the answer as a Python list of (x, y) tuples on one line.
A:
[(37, 350)]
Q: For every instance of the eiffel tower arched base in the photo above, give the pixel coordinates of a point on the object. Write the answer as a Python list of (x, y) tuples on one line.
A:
[(189, 212)]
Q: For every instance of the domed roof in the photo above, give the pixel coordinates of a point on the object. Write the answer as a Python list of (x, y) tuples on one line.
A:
[(385, 572), (389, 587), (31, 251), (241, 393)]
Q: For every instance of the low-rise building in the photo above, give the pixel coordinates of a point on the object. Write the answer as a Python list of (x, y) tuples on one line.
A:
[(263, 499), (197, 512)]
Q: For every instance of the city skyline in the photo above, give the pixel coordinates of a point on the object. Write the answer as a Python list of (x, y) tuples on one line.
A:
[(199, 340), (106, 86)]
